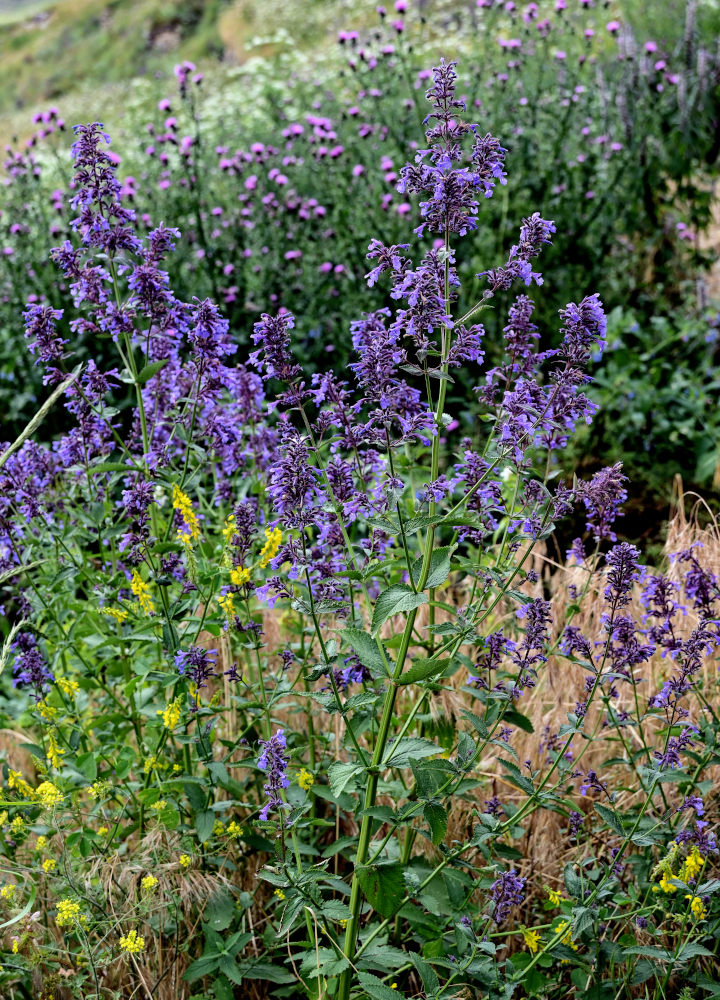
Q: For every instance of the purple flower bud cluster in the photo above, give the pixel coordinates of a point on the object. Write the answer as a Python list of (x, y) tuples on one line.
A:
[(273, 760), (30, 668), (506, 892)]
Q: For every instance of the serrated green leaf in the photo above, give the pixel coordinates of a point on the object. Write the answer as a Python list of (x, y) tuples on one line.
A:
[(437, 819), (394, 601), (365, 647), (421, 669), (383, 885), (400, 753), (376, 988), (340, 774), (439, 567)]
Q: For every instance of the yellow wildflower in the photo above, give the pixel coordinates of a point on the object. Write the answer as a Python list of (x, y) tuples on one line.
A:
[(149, 883), (665, 883), (230, 528), (99, 789), (8, 892), (177, 767), (280, 894), (227, 605), (16, 781), (185, 861), (171, 714), (3, 817), (48, 795), (15, 946), (119, 614), (554, 896), (218, 828), (159, 805), (48, 712), (49, 865), (305, 779), (132, 943), (696, 905), (271, 546), (141, 590), (68, 913), (41, 843), (70, 687), (17, 825), (234, 830), (693, 864), (150, 764), (181, 502), (55, 752), (239, 575), (564, 928), (103, 831), (532, 939)]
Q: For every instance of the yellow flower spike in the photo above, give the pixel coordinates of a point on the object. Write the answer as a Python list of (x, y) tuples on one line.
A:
[(230, 528), (16, 781), (305, 780), (566, 939), (48, 795), (103, 831), (171, 714), (55, 752), (181, 502), (271, 546), (694, 863), (218, 828), (227, 605), (234, 830), (49, 865), (665, 883), (48, 712), (697, 907), (280, 894), (15, 946), (70, 687), (41, 843), (532, 939), (141, 591), (132, 944), (185, 861), (149, 883), (119, 614), (554, 896), (8, 892)]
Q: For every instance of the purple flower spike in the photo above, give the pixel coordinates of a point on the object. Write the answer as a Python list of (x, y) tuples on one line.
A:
[(507, 890), (273, 760)]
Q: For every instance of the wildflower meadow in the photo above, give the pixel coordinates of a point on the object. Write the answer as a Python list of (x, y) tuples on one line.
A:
[(351, 647)]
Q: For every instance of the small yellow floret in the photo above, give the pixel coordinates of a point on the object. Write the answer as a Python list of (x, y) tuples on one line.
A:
[(68, 913), (305, 779), (16, 781), (239, 575), (41, 843), (119, 614), (271, 546), (227, 605), (554, 897), (532, 939), (8, 892), (149, 883), (55, 752), (564, 928), (181, 502), (141, 590), (132, 943), (185, 861), (696, 905), (280, 894), (229, 528), (48, 795), (234, 830), (49, 865), (693, 864), (171, 714)]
